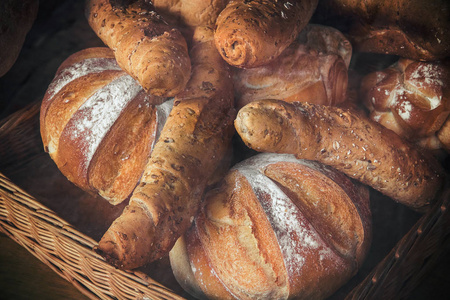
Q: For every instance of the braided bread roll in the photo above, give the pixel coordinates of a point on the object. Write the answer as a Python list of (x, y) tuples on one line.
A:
[(346, 140), (314, 68), (145, 46), (99, 125), (411, 98), (291, 229), (195, 138), (252, 33)]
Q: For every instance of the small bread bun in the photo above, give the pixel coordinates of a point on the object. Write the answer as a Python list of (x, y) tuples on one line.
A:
[(411, 98)]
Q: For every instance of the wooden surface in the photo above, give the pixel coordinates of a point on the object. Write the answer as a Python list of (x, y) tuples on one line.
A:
[(60, 30), (23, 276)]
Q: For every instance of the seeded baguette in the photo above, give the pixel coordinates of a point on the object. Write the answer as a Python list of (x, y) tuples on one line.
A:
[(195, 138), (347, 141), (145, 46)]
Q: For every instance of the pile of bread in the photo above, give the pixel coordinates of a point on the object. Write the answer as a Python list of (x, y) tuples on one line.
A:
[(153, 116)]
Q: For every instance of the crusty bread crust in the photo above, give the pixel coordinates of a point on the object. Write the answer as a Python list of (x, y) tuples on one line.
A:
[(346, 140)]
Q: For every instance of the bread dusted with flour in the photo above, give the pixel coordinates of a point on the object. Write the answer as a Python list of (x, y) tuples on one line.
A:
[(346, 140), (314, 68), (99, 125), (291, 229), (411, 98), (249, 34), (193, 142), (145, 46)]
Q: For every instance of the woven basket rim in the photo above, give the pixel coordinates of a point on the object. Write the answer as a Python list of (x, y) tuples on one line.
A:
[(70, 253)]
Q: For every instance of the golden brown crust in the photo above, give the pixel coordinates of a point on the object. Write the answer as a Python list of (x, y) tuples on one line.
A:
[(16, 20), (145, 46), (412, 29), (252, 33), (290, 228), (311, 70), (98, 124), (190, 13), (346, 140), (196, 136)]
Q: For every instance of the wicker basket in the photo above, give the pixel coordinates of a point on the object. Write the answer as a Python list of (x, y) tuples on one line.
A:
[(39, 224)]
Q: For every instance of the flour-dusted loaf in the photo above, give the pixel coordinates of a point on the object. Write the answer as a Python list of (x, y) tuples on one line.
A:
[(99, 125), (314, 68), (411, 98), (275, 228), (252, 33)]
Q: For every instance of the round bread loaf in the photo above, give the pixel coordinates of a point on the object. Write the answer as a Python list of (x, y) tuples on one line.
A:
[(99, 125), (291, 228), (411, 98)]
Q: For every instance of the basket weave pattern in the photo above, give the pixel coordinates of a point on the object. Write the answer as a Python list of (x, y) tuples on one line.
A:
[(70, 253)]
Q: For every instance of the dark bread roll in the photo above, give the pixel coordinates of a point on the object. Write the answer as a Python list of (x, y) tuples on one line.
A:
[(414, 29), (16, 20), (291, 228), (99, 125)]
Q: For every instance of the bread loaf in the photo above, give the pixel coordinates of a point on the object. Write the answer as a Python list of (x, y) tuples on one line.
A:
[(145, 46), (99, 125), (193, 142), (16, 20), (413, 29), (252, 33), (291, 229), (411, 98), (314, 68), (346, 140)]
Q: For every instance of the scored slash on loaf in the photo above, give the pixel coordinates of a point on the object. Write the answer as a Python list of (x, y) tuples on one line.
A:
[(98, 124), (291, 228)]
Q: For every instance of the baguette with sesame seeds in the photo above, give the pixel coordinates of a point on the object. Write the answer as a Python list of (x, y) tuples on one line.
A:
[(346, 140), (195, 139), (145, 46)]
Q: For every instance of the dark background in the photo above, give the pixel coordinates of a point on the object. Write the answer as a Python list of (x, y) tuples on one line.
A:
[(61, 30)]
